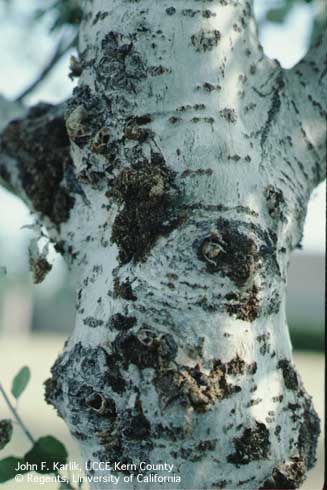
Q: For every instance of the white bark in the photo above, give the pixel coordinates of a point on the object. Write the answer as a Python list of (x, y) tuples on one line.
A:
[(195, 157)]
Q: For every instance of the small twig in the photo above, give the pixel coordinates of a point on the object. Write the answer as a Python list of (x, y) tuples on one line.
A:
[(17, 417), (57, 55)]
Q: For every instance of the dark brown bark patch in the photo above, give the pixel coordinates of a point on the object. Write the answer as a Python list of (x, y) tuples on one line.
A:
[(114, 377), (145, 194), (129, 439), (238, 366), (92, 322), (288, 476), (254, 444), (230, 251), (137, 426), (40, 144), (309, 434), (289, 374), (190, 387), (205, 40), (145, 348), (40, 268), (275, 203), (122, 322), (124, 290), (245, 307)]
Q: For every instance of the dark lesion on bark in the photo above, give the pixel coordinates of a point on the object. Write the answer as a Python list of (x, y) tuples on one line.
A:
[(289, 374), (123, 289), (254, 444), (291, 474), (287, 476), (276, 203), (191, 387), (40, 145), (238, 250), (40, 267), (246, 306), (121, 322), (145, 348), (309, 433), (122, 441), (146, 194), (237, 366)]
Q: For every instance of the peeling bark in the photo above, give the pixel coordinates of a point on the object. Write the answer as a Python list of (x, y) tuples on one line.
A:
[(193, 159)]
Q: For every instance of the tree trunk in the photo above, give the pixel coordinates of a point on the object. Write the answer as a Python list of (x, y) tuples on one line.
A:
[(193, 159)]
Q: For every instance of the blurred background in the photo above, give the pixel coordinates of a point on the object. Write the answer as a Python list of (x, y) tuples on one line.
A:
[(38, 36)]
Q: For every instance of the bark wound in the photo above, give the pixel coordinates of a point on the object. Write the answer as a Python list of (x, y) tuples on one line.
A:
[(40, 144), (145, 194)]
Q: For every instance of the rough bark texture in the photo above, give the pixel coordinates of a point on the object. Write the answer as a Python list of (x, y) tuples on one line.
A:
[(194, 157)]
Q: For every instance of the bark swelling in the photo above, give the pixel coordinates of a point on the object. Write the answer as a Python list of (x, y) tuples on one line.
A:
[(194, 157)]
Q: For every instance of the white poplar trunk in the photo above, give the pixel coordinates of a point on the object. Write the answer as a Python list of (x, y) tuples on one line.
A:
[(194, 159)]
